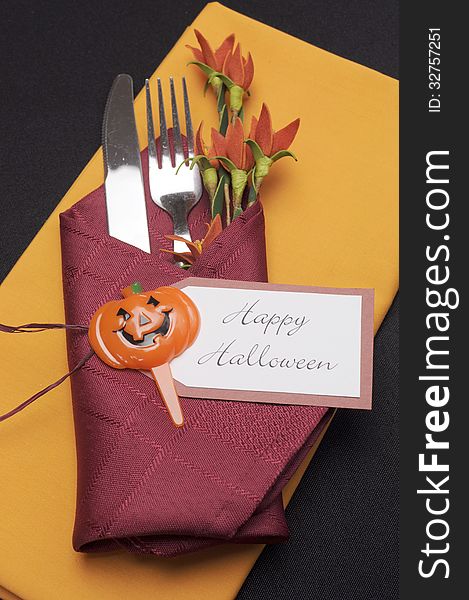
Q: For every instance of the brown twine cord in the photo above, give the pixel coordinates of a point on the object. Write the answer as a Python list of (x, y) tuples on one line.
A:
[(35, 328)]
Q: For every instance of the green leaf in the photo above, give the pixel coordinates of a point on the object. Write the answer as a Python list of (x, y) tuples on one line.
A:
[(205, 68), (253, 179), (237, 211), (281, 154), (136, 288), (206, 86), (256, 182), (255, 149), (221, 98), (241, 114), (228, 162), (185, 162), (223, 172), (226, 80), (202, 161), (252, 194), (219, 196), (224, 120), (199, 159)]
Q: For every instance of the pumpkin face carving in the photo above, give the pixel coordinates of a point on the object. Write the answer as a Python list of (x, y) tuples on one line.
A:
[(144, 329)]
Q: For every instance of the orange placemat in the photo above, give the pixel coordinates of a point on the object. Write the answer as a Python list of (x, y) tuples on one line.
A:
[(340, 204)]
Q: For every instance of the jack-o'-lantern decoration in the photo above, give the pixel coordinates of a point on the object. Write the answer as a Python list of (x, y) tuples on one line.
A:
[(145, 331)]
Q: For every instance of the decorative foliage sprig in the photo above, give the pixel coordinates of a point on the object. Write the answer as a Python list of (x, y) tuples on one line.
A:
[(237, 158), (233, 162), (225, 67), (267, 145), (198, 246)]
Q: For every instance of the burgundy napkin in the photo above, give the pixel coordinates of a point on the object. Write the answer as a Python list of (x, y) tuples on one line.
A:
[(142, 483)]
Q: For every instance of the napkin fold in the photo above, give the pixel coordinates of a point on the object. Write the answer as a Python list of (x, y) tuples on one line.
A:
[(143, 484)]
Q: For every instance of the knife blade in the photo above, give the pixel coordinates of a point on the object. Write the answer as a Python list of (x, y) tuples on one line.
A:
[(123, 177)]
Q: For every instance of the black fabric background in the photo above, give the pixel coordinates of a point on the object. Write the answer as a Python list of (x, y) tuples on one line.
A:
[(58, 59)]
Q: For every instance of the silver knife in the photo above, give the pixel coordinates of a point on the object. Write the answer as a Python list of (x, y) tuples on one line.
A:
[(123, 178)]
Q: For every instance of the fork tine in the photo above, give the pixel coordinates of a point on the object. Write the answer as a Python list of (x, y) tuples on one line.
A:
[(150, 126), (188, 119), (165, 152), (178, 152)]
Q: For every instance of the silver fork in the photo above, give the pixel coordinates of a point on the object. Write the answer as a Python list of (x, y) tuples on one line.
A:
[(176, 193)]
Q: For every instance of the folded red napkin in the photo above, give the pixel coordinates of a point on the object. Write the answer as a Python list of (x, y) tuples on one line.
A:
[(144, 484)]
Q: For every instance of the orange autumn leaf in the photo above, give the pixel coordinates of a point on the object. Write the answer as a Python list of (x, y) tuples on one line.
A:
[(225, 68), (232, 146), (205, 54), (197, 247), (270, 141), (201, 148), (238, 68), (225, 59)]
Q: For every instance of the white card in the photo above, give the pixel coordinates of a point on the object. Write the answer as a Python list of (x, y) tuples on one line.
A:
[(282, 344)]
